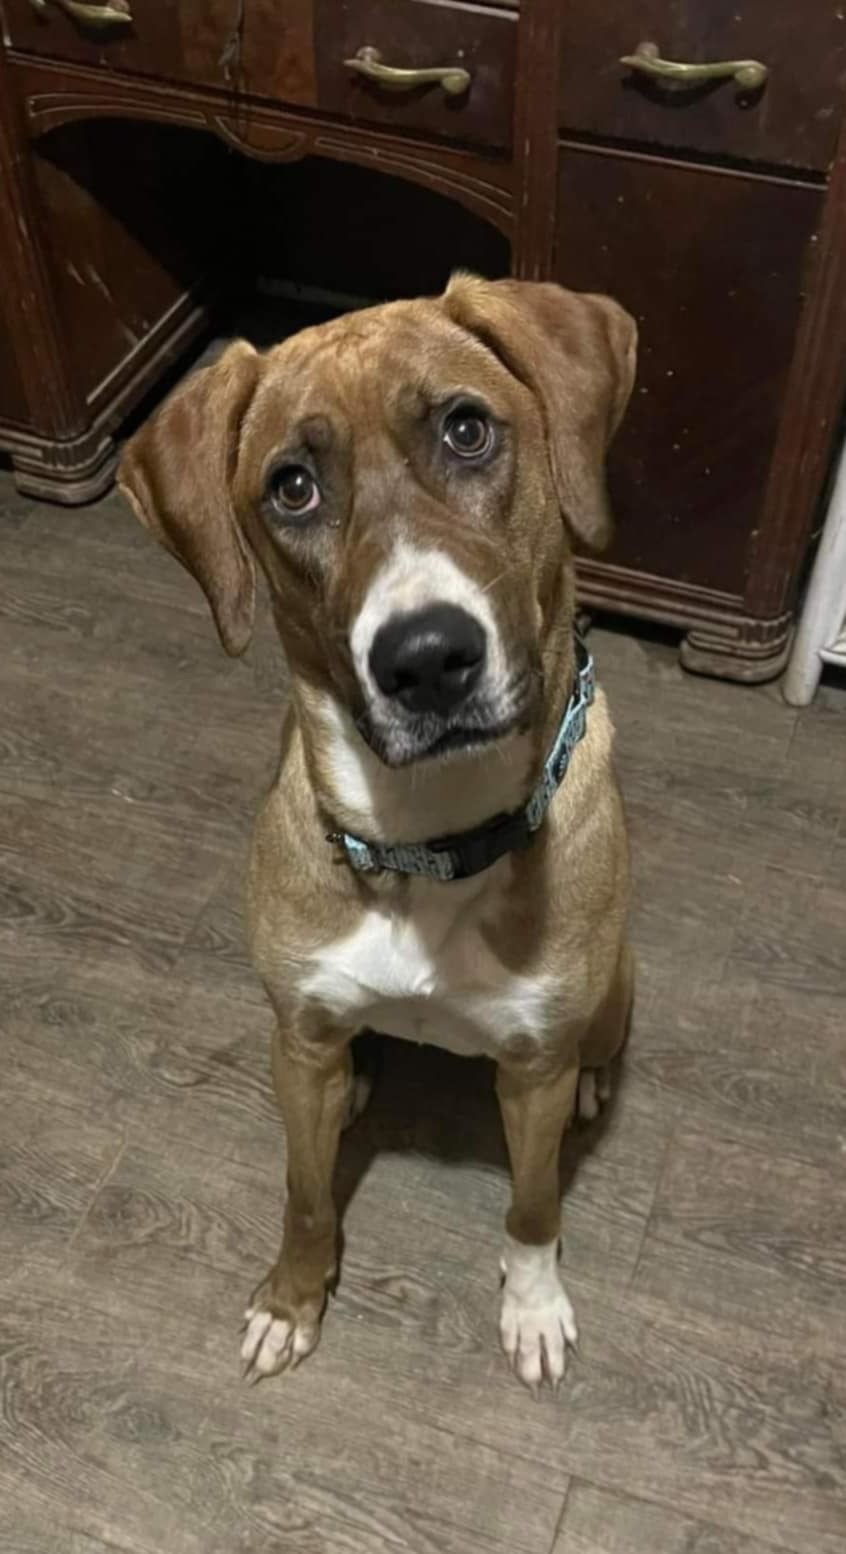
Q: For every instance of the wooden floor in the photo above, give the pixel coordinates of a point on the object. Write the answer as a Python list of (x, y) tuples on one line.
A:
[(140, 1157)]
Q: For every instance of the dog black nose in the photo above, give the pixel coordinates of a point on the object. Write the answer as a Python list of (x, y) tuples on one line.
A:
[(429, 661)]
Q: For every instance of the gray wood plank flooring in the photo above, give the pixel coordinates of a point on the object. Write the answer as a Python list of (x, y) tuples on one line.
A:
[(141, 1157)]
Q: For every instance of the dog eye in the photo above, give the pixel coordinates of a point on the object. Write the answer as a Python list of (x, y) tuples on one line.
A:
[(468, 432), (293, 491)]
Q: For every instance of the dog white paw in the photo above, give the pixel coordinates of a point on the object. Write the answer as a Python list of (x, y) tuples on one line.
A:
[(272, 1344), (594, 1091), (537, 1323)]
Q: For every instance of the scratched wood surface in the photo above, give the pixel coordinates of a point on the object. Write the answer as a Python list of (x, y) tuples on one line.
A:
[(141, 1157)]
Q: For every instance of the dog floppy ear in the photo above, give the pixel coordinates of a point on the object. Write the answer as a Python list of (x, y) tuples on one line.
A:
[(177, 474), (576, 352)]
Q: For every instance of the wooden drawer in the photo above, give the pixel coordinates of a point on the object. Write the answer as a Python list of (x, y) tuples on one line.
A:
[(294, 52), (793, 120), (419, 34), (711, 265), (194, 41)]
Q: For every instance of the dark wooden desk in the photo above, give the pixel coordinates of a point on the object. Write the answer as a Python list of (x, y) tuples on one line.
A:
[(715, 211)]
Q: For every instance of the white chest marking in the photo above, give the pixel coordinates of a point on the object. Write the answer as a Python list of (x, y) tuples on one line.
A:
[(428, 975)]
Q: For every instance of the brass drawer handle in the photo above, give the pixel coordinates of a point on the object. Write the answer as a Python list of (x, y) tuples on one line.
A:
[(748, 74), (116, 14), (368, 63)]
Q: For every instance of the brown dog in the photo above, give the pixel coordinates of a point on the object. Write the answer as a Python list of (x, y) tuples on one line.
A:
[(406, 477)]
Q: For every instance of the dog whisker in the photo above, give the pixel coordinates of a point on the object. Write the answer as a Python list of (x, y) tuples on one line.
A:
[(506, 571)]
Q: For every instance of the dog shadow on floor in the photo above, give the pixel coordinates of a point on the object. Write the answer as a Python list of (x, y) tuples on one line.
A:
[(427, 1102)]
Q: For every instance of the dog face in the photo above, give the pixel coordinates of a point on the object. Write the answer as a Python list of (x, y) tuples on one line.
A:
[(401, 475)]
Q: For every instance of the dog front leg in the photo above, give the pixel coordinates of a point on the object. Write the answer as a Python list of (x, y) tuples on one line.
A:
[(312, 1081), (536, 1319)]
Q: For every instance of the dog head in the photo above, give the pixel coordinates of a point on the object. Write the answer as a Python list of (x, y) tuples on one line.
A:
[(409, 478)]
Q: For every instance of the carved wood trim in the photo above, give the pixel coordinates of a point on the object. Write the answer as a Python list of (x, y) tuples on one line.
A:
[(68, 472), (746, 649), (493, 201), (263, 142), (665, 599), (484, 184), (47, 111), (722, 638)]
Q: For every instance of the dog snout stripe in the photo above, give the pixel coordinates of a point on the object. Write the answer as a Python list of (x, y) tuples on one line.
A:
[(412, 579)]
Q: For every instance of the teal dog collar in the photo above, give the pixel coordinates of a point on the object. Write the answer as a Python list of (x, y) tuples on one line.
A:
[(470, 852)]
